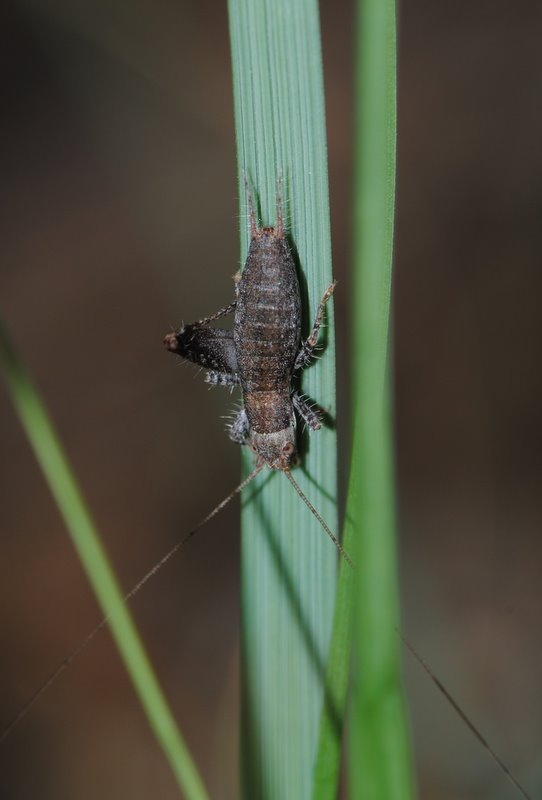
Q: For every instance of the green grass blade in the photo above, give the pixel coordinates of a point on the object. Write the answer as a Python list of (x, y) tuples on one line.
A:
[(328, 762), (61, 480), (379, 763), (289, 565)]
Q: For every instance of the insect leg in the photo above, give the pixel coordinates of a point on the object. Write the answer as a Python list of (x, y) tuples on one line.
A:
[(222, 313), (237, 280), (306, 350), (310, 416), (240, 428), (216, 378), (212, 348)]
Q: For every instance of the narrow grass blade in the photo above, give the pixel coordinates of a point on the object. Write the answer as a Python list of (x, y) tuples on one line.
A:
[(379, 756), (63, 485), (289, 565), (328, 762)]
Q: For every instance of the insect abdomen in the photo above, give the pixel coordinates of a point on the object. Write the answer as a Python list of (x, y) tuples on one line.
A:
[(267, 331)]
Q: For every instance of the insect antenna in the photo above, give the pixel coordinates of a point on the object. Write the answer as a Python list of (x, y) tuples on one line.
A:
[(424, 665), (463, 716), (322, 522), (65, 663)]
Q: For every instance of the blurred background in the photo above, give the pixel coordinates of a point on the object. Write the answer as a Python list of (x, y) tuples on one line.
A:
[(119, 220)]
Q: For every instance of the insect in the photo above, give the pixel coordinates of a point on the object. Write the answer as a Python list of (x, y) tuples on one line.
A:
[(262, 355), (263, 352)]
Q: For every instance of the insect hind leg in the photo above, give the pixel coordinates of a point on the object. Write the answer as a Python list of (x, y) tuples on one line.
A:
[(229, 309), (211, 348)]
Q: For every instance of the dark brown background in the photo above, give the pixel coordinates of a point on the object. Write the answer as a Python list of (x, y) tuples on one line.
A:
[(118, 219)]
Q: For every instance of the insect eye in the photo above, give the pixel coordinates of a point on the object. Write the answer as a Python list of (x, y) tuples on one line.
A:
[(288, 449)]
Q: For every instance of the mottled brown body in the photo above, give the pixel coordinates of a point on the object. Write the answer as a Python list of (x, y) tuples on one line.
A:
[(263, 351), (266, 334)]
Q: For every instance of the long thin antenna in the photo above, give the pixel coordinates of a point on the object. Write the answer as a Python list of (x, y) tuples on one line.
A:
[(462, 715), (322, 522), (425, 666), (65, 663)]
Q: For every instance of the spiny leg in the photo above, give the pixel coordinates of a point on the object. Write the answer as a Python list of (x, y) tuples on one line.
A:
[(216, 378), (240, 429), (311, 417), (307, 348), (222, 313), (236, 281)]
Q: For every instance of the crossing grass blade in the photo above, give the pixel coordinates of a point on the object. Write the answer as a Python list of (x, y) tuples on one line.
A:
[(71, 505), (367, 606), (379, 748), (288, 563)]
